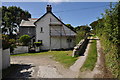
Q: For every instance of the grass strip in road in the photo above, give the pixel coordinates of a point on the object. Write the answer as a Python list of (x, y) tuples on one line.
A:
[(64, 57), (91, 58)]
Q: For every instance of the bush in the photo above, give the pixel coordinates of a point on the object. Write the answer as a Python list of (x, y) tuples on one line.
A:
[(80, 35), (12, 45), (8, 43), (5, 42), (25, 39), (38, 43)]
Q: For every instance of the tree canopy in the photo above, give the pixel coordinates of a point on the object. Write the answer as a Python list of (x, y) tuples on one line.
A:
[(11, 18), (83, 28), (70, 26)]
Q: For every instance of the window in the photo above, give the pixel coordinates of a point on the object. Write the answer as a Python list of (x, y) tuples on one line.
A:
[(28, 31), (41, 29), (69, 40)]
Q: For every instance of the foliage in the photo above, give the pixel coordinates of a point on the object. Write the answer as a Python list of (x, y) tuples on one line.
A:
[(91, 58), (8, 43), (13, 45), (38, 43), (11, 18), (70, 26), (80, 35), (82, 31), (25, 39), (107, 28), (5, 42), (83, 28)]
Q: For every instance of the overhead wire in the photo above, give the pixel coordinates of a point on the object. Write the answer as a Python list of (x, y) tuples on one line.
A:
[(95, 7)]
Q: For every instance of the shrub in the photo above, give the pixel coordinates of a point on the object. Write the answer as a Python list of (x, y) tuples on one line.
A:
[(38, 43), (25, 39), (80, 35), (5, 42), (8, 43), (12, 45)]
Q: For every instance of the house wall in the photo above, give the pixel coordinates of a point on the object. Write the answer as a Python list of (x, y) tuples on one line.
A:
[(0, 63), (27, 31), (0, 54), (44, 36), (56, 42), (61, 42)]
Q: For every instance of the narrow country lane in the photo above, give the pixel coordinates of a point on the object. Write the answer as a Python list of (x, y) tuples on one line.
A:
[(42, 66)]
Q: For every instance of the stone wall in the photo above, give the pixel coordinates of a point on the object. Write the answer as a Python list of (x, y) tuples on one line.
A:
[(5, 58), (20, 49), (80, 48)]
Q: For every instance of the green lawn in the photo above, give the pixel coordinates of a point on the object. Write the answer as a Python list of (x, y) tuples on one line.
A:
[(64, 57), (91, 58)]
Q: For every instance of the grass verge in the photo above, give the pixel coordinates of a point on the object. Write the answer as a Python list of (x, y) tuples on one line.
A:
[(64, 57), (91, 58)]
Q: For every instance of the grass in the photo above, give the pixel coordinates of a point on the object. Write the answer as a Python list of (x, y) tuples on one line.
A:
[(91, 58), (64, 57)]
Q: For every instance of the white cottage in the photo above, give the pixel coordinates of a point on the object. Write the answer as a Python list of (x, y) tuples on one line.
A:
[(51, 31)]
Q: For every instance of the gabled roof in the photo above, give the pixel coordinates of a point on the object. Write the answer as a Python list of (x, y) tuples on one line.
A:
[(55, 17), (32, 21), (29, 22)]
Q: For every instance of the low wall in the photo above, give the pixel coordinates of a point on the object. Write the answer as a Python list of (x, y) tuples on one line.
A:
[(80, 48), (20, 49), (5, 58)]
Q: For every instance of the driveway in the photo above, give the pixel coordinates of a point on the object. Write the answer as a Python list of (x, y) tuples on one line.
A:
[(40, 66)]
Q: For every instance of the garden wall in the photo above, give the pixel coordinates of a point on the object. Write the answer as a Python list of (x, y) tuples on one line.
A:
[(20, 49), (5, 58), (80, 48)]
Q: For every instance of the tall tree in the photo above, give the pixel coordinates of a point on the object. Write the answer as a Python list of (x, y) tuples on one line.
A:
[(83, 28), (70, 26), (11, 18)]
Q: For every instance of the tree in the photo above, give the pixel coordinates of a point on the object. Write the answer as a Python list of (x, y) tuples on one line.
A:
[(25, 39), (83, 28), (11, 18), (80, 35), (70, 26), (81, 32)]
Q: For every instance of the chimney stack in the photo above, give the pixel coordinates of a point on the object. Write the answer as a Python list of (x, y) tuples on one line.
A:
[(49, 8)]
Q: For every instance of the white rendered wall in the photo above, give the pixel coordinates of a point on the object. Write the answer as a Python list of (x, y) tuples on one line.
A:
[(0, 64), (20, 49), (45, 35), (5, 58)]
